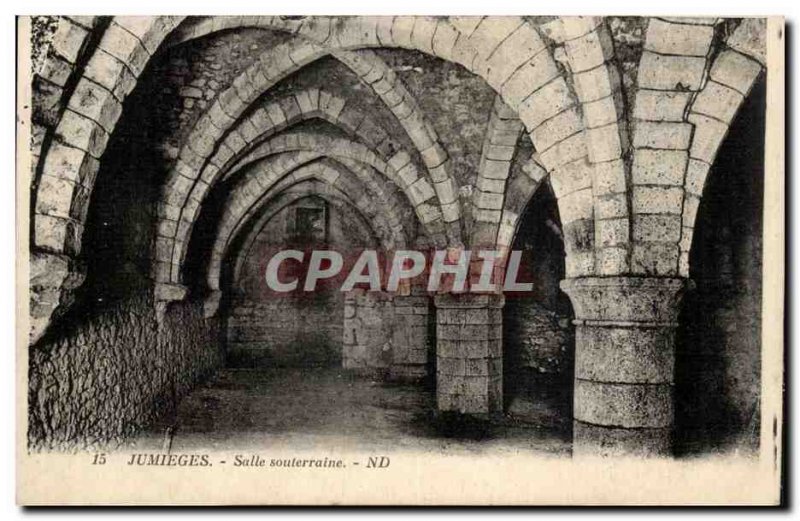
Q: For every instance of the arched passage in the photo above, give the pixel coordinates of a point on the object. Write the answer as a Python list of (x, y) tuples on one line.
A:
[(538, 334), (719, 339), (299, 328)]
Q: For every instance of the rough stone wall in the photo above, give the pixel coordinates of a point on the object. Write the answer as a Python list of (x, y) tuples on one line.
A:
[(113, 371), (456, 102), (42, 30), (193, 74), (292, 331), (539, 336), (540, 339)]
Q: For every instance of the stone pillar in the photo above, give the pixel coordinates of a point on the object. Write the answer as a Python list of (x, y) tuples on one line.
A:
[(366, 336), (410, 330), (624, 363), (469, 353)]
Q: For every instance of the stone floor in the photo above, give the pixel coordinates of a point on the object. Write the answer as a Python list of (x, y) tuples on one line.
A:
[(303, 409)]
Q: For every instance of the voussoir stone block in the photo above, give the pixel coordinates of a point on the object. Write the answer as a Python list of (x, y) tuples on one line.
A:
[(661, 72), (718, 101), (610, 206), (596, 83), (520, 47), (677, 38), (656, 228), (611, 232), (696, 173), (81, 132), (609, 177), (657, 259), (556, 129), (571, 178), (96, 103), (735, 70), (659, 167), (590, 50), (749, 38), (575, 206), (71, 163), (120, 43), (662, 135), (68, 39), (708, 135), (660, 105), (544, 103), (603, 111), (57, 234), (657, 199), (566, 151), (606, 143)]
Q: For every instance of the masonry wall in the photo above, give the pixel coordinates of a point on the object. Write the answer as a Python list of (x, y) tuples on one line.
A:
[(107, 374), (267, 329), (388, 335)]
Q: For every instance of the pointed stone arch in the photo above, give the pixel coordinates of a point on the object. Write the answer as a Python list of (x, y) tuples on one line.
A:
[(734, 71), (275, 177), (273, 205), (506, 51), (672, 69), (398, 169)]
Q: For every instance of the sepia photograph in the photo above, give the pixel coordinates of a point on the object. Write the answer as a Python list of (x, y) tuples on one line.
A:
[(400, 260)]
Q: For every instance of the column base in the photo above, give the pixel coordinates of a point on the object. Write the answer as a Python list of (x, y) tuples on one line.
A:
[(598, 440)]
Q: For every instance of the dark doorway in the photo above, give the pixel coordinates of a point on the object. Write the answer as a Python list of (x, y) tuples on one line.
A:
[(538, 335)]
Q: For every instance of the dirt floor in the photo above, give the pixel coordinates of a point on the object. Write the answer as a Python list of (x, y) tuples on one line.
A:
[(306, 409)]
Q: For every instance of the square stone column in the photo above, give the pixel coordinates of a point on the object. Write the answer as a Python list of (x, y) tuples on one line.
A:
[(386, 335), (366, 334), (410, 330), (469, 353), (624, 364)]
